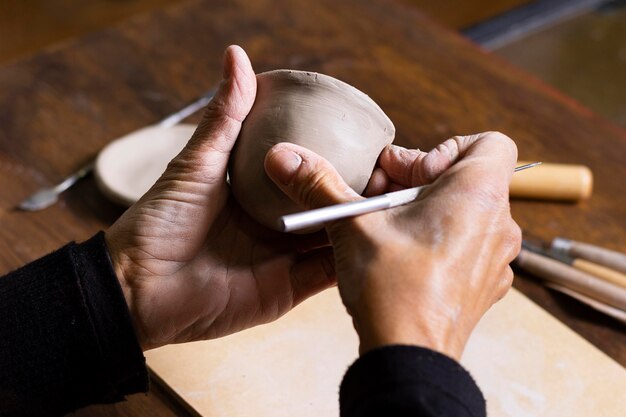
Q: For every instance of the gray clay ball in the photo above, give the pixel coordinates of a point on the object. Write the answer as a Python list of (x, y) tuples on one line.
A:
[(316, 111)]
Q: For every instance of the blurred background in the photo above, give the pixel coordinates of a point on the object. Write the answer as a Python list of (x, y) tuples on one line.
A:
[(577, 46)]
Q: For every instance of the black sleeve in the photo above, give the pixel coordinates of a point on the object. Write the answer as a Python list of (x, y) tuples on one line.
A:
[(66, 336), (412, 381)]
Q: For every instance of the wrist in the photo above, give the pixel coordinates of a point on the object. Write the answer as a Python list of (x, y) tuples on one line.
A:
[(376, 333), (115, 256), (118, 262), (405, 309), (107, 312)]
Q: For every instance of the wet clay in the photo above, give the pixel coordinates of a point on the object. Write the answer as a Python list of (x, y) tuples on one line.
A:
[(316, 111)]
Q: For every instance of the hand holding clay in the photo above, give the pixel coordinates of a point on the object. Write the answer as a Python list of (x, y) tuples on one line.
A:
[(191, 263), (424, 273)]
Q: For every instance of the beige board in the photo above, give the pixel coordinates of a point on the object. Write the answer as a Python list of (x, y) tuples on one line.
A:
[(526, 362)]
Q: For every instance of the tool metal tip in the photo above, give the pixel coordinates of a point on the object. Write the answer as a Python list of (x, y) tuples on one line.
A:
[(526, 166)]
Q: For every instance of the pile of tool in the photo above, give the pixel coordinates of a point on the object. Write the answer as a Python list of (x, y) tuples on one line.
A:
[(595, 276)]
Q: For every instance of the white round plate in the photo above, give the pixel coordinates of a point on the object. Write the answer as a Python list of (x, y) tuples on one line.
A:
[(127, 167)]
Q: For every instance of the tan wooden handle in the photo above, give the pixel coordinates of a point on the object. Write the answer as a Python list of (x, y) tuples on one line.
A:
[(610, 258), (584, 283), (607, 274), (562, 182)]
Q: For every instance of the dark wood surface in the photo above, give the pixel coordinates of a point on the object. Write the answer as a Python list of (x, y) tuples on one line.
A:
[(26, 26), (58, 108), (461, 14)]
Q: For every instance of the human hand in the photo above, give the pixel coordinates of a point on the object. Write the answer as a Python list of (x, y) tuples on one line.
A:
[(424, 273), (191, 263)]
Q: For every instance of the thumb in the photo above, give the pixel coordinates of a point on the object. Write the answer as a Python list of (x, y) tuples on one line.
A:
[(307, 178), (206, 155), (193, 187)]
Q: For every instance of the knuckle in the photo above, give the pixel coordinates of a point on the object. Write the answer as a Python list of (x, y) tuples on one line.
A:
[(210, 118), (494, 135), (320, 184), (462, 142), (505, 283), (513, 239), (428, 170), (315, 185), (503, 140), (509, 240)]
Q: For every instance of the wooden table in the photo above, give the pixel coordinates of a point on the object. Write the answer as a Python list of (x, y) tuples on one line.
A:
[(59, 107)]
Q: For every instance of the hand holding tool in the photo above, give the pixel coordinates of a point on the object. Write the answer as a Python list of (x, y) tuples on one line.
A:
[(317, 217)]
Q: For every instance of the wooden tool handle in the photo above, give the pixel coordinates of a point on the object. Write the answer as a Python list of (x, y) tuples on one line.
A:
[(609, 258), (553, 182), (607, 274), (584, 283), (616, 313)]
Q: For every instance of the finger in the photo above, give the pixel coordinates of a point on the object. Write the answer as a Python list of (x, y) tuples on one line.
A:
[(398, 163), (307, 178), (410, 168), (492, 150), (435, 162), (488, 162), (313, 274), (216, 134), (378, 183), (192, 190)]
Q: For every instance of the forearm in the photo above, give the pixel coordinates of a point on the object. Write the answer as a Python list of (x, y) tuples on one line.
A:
[(66, 336)]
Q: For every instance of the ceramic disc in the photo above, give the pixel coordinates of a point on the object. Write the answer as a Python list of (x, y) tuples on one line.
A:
[(127, 167)]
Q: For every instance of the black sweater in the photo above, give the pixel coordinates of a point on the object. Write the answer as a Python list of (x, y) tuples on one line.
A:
[(66, 340)]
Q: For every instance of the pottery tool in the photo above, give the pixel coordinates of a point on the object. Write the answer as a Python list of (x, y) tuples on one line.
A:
[(558, 182), (46, 197), (582, 282), (609, 258), (317, 217), (610, 311), (600, 271)]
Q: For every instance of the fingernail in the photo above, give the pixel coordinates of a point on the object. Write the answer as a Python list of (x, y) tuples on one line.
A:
[(284, 165)]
